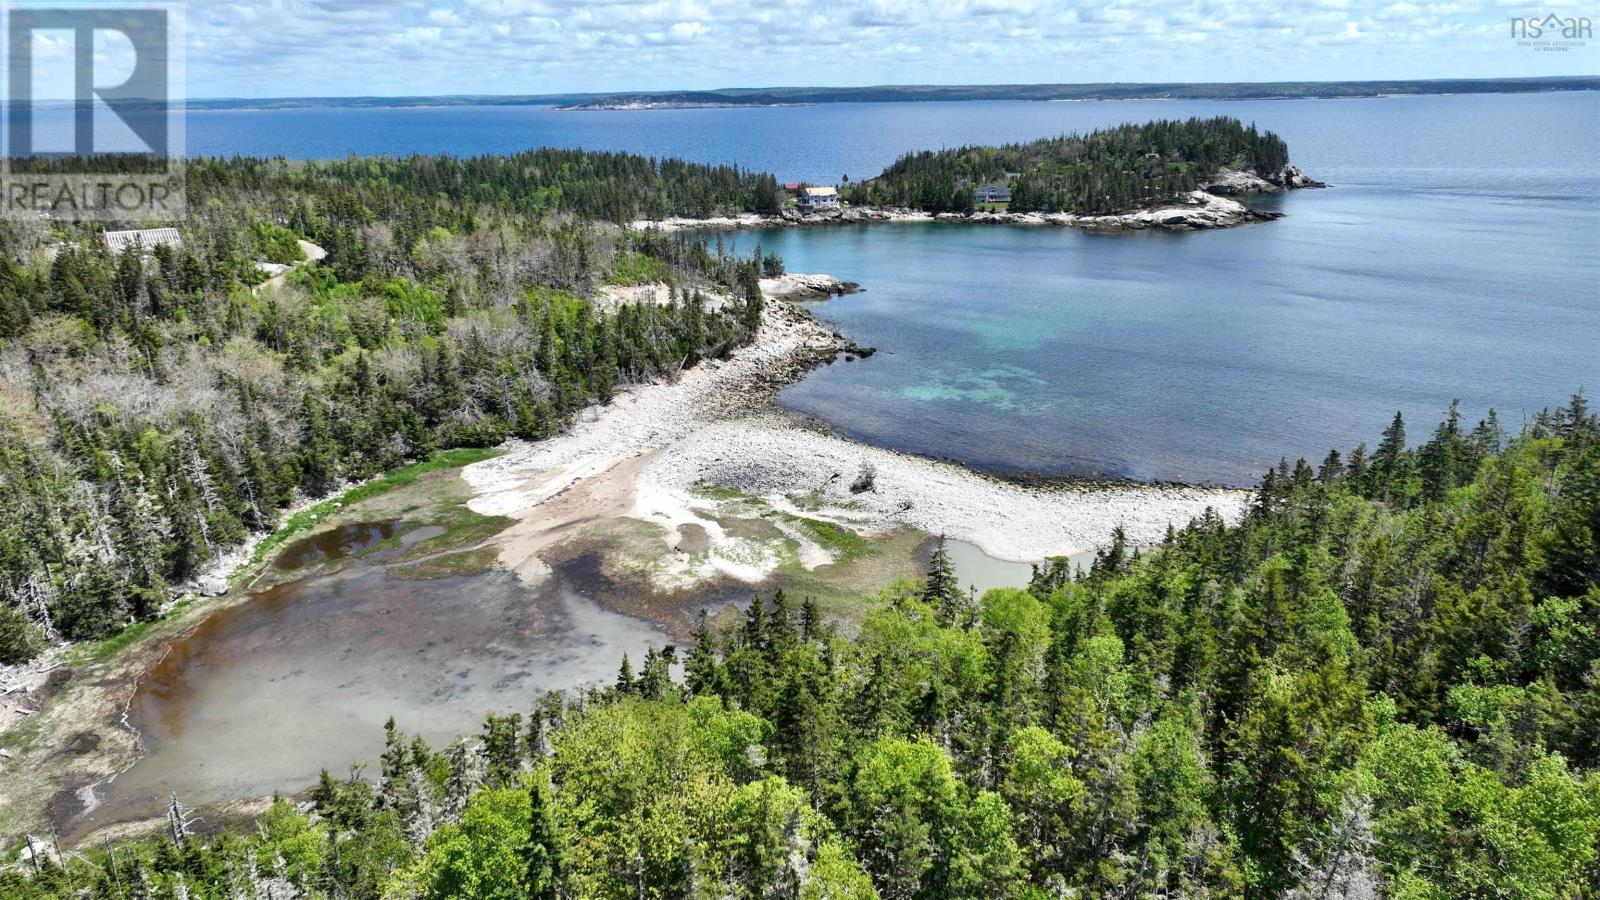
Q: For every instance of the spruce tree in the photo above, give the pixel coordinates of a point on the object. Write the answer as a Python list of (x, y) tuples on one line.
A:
[(541, 861), (625, 682), (502, 748), (1387, 460), (700, 667), (319, 453), (939, 589)]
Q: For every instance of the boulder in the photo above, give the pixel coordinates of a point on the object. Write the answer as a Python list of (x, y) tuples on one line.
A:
[(1291, 177), (1236, 182), (211, 585)]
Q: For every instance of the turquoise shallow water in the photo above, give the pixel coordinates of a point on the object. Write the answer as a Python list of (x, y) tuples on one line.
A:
[(1457, 256)]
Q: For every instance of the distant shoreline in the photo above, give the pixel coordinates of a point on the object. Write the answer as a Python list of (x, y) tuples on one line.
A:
[(756, 98)]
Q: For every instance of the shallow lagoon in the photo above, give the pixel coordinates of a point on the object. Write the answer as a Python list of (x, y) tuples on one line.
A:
[(301, 676)]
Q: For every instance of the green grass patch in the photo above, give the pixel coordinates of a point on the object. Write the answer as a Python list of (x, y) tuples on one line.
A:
[(462, 528), (465, 562), (300, 521), (109, 647), (633, 268), (810, 501), (712, 491), (839, 588), (843, 543), (16, 847)]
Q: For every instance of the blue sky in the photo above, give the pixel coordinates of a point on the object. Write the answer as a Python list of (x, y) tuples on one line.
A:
[(275, 48)]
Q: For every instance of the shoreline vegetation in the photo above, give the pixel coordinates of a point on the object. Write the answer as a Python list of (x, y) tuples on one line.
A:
[(84, 688), (1253, 709), (793, 96), (690, 452)]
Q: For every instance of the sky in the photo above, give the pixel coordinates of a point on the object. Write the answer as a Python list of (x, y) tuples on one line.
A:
[(316, 48)]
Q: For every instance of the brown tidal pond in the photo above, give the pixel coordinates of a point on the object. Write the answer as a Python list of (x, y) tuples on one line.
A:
[(261, 696)]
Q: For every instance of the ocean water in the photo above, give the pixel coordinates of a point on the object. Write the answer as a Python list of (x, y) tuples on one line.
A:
[(1456, 257)]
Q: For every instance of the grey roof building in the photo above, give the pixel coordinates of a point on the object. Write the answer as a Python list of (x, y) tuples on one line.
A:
[(145, 238), (991, 193)]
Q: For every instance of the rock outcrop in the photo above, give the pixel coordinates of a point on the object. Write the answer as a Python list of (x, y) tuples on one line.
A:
[(797, 286), (1194, 211), (1234, 182), (1291, 177), (211, 585)]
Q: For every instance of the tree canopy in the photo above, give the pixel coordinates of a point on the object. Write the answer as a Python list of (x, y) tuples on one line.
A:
[(1382, 681), (1106, 171), (158, 406)]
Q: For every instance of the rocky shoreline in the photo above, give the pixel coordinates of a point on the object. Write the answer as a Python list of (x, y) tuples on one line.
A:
[(648, 456), (655, 451), (794, 286), (1234, 183), (1197, 211), (1211, 207)]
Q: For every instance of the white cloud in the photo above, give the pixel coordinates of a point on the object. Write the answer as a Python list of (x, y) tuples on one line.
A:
[(687, 31), (540, 46), (418, 36)]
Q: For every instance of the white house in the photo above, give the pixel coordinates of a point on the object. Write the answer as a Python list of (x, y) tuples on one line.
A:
[(991, 193), (819, 198)]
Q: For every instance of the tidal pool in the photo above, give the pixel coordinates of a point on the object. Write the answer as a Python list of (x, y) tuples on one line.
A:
[(978, 570), (263, 695)]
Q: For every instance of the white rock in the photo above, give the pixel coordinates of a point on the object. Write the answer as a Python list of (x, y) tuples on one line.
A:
[(797, 286)]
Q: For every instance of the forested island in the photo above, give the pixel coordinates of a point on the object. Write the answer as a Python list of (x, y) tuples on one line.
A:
[(1380, 681), (1103, 172), (1166, 174)]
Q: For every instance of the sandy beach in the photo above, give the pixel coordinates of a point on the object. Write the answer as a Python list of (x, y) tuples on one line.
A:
[(656, 451)]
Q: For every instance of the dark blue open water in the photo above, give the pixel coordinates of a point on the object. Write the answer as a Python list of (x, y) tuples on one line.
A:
[(1458, 256)]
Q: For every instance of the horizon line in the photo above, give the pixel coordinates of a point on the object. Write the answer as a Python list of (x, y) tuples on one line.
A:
[(883, 86)]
